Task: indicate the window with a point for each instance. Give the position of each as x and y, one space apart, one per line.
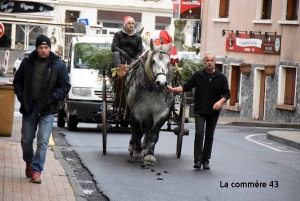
290 12
292 9
219 67
71 16
161 22
289 92
287 84
160 27
34 33
5 40
224 9
263 12
234 85
267 9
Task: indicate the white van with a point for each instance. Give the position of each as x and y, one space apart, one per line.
85 97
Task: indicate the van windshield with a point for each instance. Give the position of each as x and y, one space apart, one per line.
83 50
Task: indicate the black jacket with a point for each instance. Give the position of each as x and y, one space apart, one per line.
55 87
207 94
131 45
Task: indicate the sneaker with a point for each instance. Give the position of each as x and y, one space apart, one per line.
197 165
36 177
206 166
28 170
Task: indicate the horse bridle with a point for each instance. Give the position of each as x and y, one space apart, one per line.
161 52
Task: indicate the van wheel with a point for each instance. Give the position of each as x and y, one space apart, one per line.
72 122
61 118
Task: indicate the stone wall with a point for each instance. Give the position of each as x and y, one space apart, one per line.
271 114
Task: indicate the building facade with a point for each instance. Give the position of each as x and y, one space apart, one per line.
24 20
256 45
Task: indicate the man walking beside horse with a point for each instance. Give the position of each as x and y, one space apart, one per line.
211 92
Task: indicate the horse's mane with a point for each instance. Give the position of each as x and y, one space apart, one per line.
148 65
160 48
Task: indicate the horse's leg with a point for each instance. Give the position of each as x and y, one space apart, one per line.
135 147
152 135
145 144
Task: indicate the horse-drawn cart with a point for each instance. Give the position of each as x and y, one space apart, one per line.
131 102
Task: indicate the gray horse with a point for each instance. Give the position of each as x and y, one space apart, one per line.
148 102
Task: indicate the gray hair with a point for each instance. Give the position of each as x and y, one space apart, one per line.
209 53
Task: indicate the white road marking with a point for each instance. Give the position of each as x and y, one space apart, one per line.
249 138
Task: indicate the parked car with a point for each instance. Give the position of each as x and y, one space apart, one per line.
19 60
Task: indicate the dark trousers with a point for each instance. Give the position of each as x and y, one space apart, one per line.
201 153
119 59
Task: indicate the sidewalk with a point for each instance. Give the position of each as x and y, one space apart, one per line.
58 180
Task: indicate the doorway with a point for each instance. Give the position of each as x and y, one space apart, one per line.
259 94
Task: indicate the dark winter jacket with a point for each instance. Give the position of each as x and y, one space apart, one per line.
131 45
207 94
55 87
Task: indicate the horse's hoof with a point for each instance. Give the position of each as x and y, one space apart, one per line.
138 156
149 160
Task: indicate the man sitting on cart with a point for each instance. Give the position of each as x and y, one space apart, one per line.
127 44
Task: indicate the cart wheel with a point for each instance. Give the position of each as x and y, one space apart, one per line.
104 115
179 145
181 126
104 127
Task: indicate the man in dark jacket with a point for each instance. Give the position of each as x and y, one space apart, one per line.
211 92
40 82
127 44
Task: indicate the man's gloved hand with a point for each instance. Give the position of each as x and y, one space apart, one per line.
126 56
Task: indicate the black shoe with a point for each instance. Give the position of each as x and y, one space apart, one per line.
206 166
197 164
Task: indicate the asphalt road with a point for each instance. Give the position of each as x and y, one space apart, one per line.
244 166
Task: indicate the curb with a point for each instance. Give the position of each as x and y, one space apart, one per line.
265 124
283 141
80 196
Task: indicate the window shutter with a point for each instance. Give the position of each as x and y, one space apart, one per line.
233 86
289 10
222 11
289 93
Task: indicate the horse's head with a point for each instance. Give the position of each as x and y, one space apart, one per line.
158 64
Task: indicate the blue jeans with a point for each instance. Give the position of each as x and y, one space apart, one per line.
201 153
29 127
